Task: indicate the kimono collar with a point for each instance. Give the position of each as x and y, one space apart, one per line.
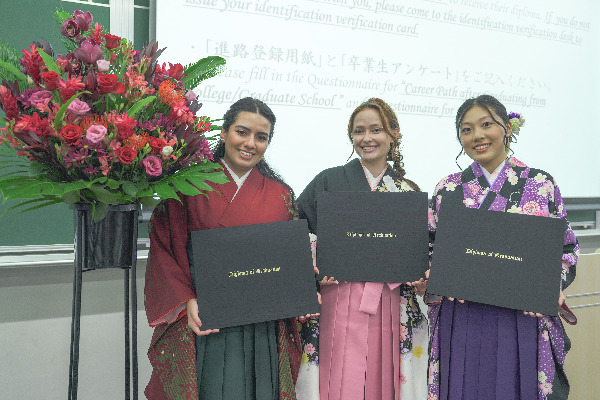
373 181
239 181
491 176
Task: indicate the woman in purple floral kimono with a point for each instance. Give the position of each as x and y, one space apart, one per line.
479 351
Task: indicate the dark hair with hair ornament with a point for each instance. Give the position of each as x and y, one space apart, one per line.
254 106
492 106
390 124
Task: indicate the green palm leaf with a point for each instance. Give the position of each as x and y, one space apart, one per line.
201 70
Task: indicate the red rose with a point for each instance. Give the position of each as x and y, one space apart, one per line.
51 79
71 134
156 144
112 41
107 83
126 154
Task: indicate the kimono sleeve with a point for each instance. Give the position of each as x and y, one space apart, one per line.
168 282
434 208
571 248
307 202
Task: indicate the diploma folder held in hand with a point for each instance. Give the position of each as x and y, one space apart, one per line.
498 258
372 236
252 273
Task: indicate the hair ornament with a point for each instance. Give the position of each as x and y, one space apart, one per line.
516 121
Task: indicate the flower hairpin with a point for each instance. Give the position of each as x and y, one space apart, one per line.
516 121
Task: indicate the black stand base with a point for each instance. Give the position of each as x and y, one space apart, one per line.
130 304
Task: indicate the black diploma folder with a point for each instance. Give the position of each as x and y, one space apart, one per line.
372 236
252 273
498 258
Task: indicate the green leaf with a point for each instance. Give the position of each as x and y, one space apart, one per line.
21 77
103 195
43 202
71 197
186 188
61 111
148 192
201 70
101 179
36 169
134 109
149 201
129 188
50 64
112 184
99 211
142 185
62 16
164 191
29 188
74 186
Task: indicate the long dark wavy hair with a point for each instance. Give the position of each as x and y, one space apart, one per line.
255 106
390 124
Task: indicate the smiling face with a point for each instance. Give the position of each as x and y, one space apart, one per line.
482 138
371 141
246 141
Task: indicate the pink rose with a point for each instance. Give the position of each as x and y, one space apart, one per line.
78 108
103 65
95 133
190 95
153 165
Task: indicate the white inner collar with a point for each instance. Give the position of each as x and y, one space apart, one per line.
491 176
373 181
239 181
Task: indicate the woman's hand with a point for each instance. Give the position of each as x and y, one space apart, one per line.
325 280
459 300
194 320
561 300
420 285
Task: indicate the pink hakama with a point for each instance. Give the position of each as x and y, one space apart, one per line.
360 341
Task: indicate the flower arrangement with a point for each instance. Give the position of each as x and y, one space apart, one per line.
104 124
516 121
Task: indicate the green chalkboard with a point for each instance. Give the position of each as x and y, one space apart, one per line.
25 21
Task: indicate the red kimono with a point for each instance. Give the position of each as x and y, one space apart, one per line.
169 286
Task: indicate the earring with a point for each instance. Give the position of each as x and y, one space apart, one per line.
456 159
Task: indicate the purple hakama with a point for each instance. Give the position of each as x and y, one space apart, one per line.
485 352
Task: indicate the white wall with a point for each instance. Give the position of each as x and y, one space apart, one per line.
35 332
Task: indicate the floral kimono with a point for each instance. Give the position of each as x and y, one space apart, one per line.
255 361
371 334
485 352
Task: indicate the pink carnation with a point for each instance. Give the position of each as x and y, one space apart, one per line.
153 165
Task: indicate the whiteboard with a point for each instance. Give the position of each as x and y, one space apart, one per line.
314 61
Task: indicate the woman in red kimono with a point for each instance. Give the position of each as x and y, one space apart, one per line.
255 361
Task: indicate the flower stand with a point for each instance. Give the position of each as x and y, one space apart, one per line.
110 243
